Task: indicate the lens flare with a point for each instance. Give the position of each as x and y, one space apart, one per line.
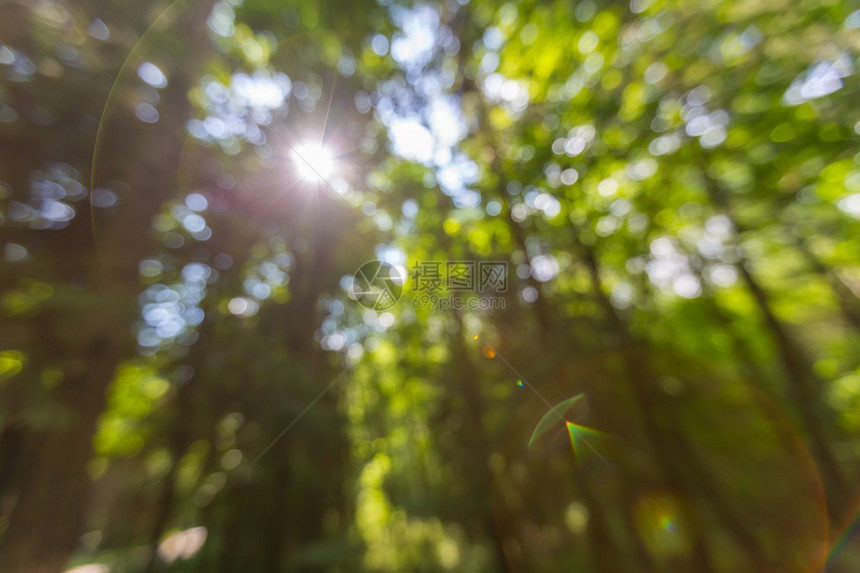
660 519
579 437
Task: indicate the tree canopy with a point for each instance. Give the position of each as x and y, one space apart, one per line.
453 285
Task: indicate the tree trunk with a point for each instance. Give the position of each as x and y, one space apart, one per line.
49 512
642 385
48 515
801 380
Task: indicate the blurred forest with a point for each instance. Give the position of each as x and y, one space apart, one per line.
188 383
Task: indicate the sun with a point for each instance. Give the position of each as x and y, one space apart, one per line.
314 162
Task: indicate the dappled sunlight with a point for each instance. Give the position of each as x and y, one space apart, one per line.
182 544
92 568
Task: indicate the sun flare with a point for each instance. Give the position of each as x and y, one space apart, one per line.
314 162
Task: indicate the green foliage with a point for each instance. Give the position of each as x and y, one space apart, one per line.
674 187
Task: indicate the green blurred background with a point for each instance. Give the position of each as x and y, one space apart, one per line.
188 383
